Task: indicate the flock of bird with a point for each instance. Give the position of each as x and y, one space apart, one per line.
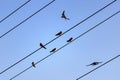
69 40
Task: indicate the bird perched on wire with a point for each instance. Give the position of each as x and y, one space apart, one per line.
53 50
42 46
59 33
33 64
70 39
94 63
63 16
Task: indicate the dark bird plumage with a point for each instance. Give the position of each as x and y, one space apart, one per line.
33 64
70 39
42 46
94 63
53 50
59 33
63 15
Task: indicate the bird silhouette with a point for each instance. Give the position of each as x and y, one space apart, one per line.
63 16
94 63
53 50
70 39
33 64
42 46
59 33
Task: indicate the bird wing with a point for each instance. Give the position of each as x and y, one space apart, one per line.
63 13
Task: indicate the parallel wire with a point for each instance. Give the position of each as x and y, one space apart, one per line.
91 16
98 67
57 37
83 20
14 11
25 20
66 44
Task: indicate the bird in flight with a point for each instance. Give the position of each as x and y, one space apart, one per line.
70 39
94 63
42 46
53 50
59 33
33 64
63 15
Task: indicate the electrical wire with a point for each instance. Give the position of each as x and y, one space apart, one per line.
56 37
14 11
98 67
91 16
66 44
25 19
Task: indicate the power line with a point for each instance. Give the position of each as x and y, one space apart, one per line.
25 19
67 44
90 16
15 11
98 67
57 37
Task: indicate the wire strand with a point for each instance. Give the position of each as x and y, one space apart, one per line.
66 44
57 37
25 19
14 11
98 67
90 16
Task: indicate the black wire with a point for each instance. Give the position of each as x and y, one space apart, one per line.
33 51
57 37
66 44
98 67
19 61
97 25
25 19
20 73
14 11
90 16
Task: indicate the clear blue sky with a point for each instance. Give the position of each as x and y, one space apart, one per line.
69 63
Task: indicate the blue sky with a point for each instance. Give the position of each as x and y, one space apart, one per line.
70 62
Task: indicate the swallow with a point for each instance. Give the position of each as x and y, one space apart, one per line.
53 50
33 64
70 40
94 63
59 33
42 46
63 15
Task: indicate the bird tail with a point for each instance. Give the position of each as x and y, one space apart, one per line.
68 41
100 62
67 18
88 65
44 47
56 35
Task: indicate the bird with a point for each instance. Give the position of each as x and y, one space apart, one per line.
53 50
42 46
33 64
94 63
70 39
63 16
59 33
